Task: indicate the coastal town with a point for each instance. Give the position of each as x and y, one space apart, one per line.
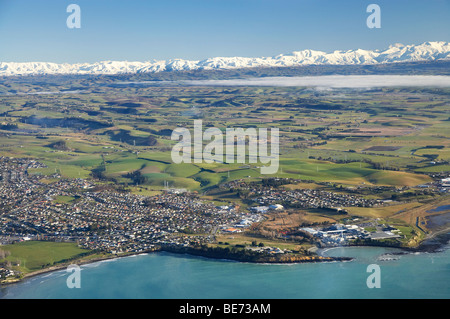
105 220
99 218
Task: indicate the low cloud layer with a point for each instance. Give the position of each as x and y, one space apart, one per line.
334 81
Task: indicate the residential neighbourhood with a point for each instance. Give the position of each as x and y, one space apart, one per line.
105 220
74 210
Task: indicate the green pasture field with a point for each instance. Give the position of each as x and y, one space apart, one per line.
373 137
35 255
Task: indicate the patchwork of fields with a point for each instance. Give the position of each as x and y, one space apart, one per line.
389 145
388 136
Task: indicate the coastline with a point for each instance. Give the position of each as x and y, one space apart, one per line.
61 267
180 251
436 242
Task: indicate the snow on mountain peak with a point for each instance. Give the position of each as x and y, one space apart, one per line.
428 51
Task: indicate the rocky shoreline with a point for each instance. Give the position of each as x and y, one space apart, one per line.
192 251
251 257
435 243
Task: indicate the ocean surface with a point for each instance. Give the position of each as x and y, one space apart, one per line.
170 276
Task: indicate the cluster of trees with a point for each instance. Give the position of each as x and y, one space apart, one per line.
3 262
124 136
4 254
72 122
255 244
275 182
9 126
375 165
383 166
389 242
99 172
136 177
59 145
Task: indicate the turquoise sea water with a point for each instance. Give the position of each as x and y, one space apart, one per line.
171 276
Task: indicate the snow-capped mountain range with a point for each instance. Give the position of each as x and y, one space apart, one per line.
428 51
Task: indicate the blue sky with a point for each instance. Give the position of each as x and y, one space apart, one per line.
138 30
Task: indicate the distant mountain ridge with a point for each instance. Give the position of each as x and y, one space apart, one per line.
428 51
